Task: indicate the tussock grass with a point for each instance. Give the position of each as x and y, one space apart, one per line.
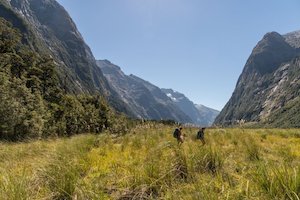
147 163
252 149
63 174
279 183
207 160
44 169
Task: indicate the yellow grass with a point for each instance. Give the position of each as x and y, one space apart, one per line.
147 163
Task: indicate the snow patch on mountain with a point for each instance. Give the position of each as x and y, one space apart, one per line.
171 97
201 115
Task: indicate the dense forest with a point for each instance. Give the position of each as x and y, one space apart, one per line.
34 103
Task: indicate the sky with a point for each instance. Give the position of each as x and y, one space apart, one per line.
195 47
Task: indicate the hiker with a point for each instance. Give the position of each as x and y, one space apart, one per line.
178 135
200 135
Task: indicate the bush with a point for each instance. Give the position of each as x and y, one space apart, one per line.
22 113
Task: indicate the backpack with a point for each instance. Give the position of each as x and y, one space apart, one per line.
200 135
176 133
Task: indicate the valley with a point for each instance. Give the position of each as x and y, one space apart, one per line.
73 126
147 163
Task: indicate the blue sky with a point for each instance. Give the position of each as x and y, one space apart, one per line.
196 47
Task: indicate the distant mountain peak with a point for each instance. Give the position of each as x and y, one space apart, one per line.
201 115
268 83
151 102
269 54
271 41
272 35
144 99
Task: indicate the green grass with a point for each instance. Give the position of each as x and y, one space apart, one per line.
147 163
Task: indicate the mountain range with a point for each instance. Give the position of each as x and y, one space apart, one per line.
200 114
48 29
148 101
268 90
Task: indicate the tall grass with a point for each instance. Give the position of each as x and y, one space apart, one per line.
252 149
279 183
66 169
207 160
51 175
147 163
14 186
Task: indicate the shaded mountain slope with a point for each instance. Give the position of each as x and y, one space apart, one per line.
144 99
269 84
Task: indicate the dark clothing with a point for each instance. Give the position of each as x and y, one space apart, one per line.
177 133
200 134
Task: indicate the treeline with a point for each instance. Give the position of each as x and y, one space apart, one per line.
32 102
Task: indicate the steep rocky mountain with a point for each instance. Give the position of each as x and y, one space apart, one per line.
268 89
144 99
293 39
48 29
201 115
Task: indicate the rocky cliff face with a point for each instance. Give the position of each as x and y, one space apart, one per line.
49 30
269 82
144 99
293 39
201 115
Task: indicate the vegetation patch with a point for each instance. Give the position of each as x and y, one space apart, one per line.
147 163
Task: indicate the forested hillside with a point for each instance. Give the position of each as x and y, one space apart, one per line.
32 102
47 29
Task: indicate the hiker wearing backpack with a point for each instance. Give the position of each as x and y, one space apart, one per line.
200 135
178 135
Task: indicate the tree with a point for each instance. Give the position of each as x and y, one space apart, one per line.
21 112
9 37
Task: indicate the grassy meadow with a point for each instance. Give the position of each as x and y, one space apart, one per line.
147 163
